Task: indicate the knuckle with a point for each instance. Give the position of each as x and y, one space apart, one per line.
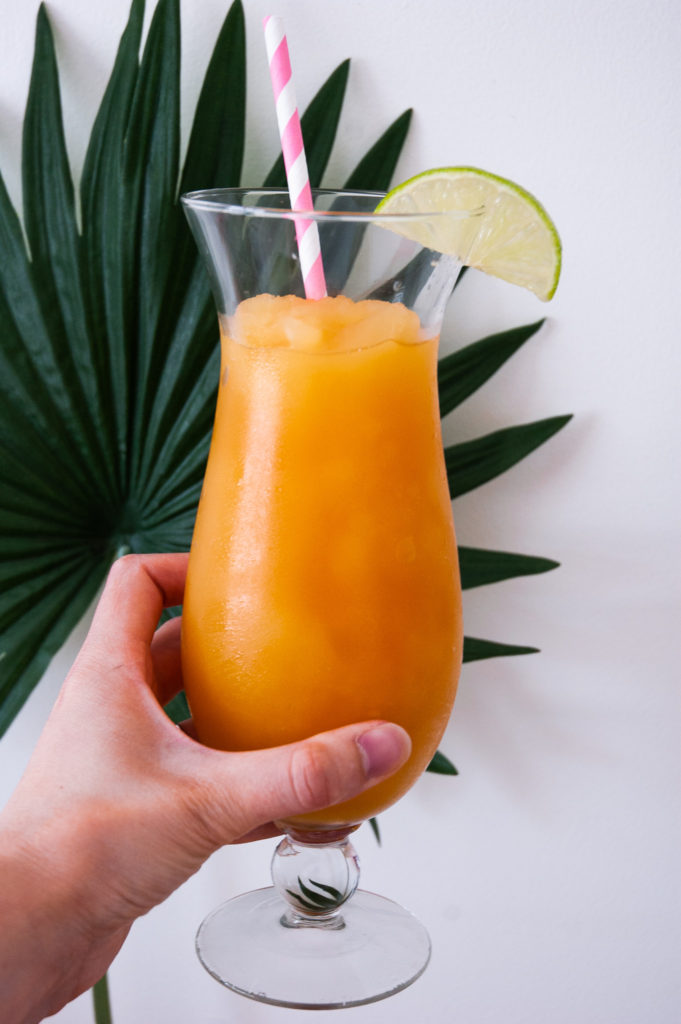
209 812
125 563
125 568
312 777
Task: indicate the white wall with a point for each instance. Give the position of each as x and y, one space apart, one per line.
548 872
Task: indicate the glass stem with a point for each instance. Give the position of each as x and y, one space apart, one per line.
314 878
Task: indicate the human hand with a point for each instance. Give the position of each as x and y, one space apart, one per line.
119 806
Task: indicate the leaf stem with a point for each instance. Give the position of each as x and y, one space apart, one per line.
100 1001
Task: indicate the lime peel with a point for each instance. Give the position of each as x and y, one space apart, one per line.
512 237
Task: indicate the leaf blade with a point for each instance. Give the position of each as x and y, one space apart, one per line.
480 566
441 765
475 649
109 235
217 140
473 463
32 427
375 170
151 164
463 372
57 265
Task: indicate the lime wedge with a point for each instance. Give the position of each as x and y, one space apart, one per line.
512 237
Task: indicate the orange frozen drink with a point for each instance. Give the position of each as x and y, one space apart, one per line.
323 586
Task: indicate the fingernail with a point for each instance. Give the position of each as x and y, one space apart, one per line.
384 748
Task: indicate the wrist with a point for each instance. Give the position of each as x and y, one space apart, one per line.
43 944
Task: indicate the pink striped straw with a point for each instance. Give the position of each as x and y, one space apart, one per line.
295 163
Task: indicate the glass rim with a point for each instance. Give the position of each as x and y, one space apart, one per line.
216 199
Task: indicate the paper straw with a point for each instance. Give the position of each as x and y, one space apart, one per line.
293 151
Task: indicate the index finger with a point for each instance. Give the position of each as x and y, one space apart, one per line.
137 590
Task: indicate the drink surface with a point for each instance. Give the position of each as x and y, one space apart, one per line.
323 584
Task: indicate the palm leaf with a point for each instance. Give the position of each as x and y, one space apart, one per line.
108 351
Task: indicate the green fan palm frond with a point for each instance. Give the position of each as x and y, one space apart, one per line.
109 341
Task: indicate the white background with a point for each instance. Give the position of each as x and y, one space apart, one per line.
548 871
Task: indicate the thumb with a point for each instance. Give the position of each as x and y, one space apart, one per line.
252 788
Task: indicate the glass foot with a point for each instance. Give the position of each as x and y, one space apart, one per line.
252 945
